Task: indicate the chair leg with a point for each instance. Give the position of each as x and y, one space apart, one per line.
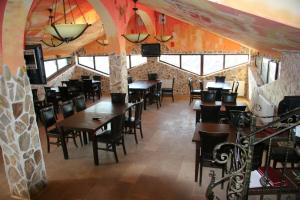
141 130
190 100
123 144
115 152
80 138
48 144
74 139
200 174
134 131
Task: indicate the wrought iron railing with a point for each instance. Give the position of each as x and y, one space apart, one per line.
238 156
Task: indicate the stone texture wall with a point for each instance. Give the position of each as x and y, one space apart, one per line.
118 73
19 136
166 71
288 83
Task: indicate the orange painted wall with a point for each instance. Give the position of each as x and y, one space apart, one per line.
2 8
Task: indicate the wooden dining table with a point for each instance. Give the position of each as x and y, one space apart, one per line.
90 121
198 103
214 128
141 87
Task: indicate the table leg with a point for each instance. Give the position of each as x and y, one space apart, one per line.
145 100
63 144
197 160
95 149
198 113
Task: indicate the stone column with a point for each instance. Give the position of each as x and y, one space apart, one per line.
19 136
118 73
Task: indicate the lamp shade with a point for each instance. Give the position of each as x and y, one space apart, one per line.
163 38
52 42
66 32
136 37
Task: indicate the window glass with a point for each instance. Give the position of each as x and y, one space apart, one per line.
264 69
191 63
127 62
86 61
272 71
234 60
212 63
171 59
62 63
102 64
50 67
137 60
279 70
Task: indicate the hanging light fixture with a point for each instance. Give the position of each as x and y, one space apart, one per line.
103 40
136 37
50 41
69 30
162 37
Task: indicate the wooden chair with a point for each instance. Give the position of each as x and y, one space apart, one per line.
90 90
208 141
118 98
229 97
168 91
80 103
208 96
113 137
220 79
67 108
210 113
152 76
135 122
217 91
158 94
83 77
194 93
97 78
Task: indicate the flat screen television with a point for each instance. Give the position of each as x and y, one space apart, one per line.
34 61
151 50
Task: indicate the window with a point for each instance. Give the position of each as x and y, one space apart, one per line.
137 60
171 59
62 63
191 63
50 67
272 71
234 60
264 69
212 63
128 62
102 64
86 61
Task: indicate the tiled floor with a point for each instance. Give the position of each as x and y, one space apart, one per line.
161 166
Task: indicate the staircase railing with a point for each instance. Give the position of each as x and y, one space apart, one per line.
238 156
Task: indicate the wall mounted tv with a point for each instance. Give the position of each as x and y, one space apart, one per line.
33 55
151 50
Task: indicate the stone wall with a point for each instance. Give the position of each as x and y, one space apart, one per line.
19 136
166 71
288 83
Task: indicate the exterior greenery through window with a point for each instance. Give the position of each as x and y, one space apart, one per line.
268 69
54 66
204 64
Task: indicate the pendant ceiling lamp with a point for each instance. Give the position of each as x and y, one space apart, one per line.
49 40
68 30
103 40
136 37
162 37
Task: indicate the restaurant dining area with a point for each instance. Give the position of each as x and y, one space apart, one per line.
139 99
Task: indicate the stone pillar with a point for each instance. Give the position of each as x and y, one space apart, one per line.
118 73
19 136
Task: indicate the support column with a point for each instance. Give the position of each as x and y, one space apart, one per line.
19 136
118 73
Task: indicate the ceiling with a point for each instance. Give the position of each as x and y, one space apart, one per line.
265 31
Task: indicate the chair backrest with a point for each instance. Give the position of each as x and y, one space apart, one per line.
208 141
129 79
208 96
117 124
210 113
34 94
232 87
217 91
118 98
220 79
97 78
190 81
236 87
173 82
138 110
229 97
67 108
80 103
233 113
64 93
85 77
158 87
48 116
87 85
152 76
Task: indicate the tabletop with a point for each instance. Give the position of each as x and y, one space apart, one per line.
224 86
198 103
109 108
142 84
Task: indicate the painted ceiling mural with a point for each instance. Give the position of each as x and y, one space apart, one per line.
253 31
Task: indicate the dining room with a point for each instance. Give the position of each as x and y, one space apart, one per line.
142 95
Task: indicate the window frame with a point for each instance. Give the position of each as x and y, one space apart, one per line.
58 70
202 62
277 73
130 62
94 63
